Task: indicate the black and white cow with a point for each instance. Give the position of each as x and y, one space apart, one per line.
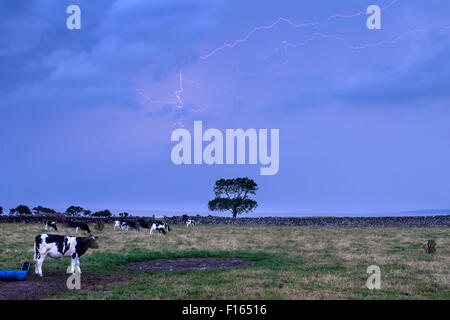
50 224
57 246
79 225
144 224
126 225
190 223
161 227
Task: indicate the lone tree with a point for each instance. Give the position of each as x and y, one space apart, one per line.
232 194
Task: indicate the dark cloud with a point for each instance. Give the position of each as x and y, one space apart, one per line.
87 114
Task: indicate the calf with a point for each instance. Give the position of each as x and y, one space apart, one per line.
79 225
161 227
50 224
165 225
117 224
190 223
130 224
57 246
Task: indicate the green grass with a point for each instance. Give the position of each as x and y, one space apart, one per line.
290 262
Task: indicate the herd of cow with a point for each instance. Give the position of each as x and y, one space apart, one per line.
58 246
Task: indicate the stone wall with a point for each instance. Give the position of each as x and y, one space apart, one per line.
411 221
423 221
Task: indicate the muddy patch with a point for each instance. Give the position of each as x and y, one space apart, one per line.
188 264
35 287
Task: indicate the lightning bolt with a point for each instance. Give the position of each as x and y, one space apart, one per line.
255 29
286 44
178 102
359 13
349 45
289 22
177 93
142 94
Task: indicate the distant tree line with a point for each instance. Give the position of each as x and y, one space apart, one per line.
72 211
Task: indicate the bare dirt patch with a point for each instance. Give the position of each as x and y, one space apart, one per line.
188 264
35 287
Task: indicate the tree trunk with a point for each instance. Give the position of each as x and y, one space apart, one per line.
234 213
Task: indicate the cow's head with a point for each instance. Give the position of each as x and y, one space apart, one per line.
91 242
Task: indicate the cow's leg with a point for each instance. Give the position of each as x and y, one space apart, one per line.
76 229
36 256
73 261
36 267
78 264
39 261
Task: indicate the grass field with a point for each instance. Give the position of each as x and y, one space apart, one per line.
290 262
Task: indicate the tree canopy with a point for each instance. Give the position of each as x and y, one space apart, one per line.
103 213
233 195
20 210
74 211
42 210
87 213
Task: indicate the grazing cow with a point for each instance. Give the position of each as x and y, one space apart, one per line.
50 224
126 225
190 223
166 226
79 225
144 224
161 227
57 246
117 224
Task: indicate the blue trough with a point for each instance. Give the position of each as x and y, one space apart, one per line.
16 274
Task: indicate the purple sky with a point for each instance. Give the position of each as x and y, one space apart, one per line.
364 116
